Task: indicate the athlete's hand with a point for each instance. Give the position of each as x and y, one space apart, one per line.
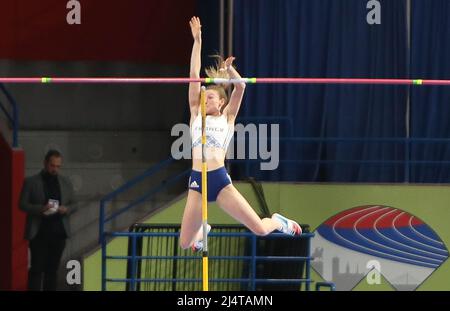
196 28
229 62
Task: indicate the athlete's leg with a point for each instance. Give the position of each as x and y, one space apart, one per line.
191 228
232 202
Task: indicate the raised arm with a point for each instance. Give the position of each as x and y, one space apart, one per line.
194 88
232 109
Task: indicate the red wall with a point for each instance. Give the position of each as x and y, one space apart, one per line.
14 249
135 30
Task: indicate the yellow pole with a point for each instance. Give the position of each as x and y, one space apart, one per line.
204 191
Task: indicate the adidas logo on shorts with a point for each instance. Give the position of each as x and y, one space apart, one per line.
194 184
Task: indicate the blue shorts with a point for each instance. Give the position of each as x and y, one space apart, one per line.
217 180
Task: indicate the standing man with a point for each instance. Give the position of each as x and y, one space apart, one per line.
48 200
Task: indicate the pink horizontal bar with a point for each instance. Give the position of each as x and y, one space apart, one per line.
436 82
100 80
352 81
250 81
334 81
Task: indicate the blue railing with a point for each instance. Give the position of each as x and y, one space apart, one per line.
14 118
103 219
252 258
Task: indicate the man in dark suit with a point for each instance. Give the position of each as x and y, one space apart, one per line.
48 200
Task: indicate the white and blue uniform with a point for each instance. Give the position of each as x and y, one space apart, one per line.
218 132
218 135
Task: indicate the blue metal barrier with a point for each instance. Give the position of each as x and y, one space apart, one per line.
103 219
253 259
128 185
